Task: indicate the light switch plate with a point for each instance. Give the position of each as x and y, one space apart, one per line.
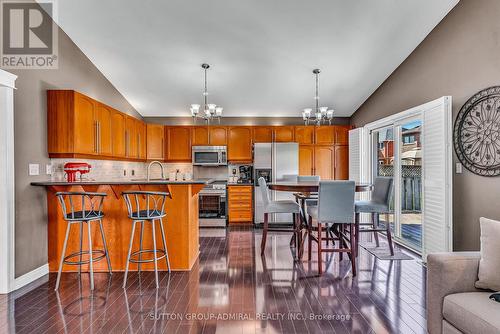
48 169
458 168
34 169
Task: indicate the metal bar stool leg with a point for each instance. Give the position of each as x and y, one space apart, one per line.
155 260
141 235
91 265
81 248
105 246
63 254
164 243
128 256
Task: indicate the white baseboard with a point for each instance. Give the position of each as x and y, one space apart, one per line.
33 275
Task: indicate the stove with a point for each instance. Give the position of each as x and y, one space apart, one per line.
213 205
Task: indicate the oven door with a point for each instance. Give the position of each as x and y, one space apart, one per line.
212 209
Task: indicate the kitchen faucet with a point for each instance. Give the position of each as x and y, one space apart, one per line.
161 166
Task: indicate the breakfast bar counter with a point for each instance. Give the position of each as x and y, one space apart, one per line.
181 222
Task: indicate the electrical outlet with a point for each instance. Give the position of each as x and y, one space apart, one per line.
48 169
124 172
34 169
458 168
133 172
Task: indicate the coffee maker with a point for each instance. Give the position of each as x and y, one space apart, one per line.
246 173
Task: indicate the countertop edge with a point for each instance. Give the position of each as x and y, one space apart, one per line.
96 183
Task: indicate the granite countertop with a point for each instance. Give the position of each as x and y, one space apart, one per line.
120 182
240 184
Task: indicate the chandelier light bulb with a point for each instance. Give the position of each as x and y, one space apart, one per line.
218 111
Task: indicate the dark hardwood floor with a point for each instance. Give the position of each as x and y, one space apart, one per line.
231 289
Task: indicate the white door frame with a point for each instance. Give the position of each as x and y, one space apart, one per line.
7 195
395 121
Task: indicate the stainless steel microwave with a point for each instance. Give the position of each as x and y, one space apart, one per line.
209 156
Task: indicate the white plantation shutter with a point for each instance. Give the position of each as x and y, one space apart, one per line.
358 158
437 177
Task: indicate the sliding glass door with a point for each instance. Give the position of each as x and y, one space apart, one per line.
397 153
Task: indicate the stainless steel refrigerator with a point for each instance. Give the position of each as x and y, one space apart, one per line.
276 162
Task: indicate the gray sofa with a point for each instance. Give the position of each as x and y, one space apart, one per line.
454 305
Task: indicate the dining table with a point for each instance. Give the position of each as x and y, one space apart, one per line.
307 190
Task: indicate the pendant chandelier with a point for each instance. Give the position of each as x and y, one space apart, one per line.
317 115
210 111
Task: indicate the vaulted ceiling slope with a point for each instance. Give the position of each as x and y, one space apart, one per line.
262 52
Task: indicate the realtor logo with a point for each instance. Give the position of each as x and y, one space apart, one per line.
29 35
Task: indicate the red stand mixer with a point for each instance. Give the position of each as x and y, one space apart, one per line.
71 168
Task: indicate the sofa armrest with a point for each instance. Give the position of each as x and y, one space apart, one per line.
448 273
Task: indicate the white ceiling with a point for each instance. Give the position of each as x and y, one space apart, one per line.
262 52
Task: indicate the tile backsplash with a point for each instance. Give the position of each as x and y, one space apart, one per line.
118 170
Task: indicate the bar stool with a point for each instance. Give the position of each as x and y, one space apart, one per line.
146 206
284 206
84 207
379 204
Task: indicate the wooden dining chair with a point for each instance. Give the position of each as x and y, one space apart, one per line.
335 210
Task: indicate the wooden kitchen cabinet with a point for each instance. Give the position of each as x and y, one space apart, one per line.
199 135
85 126
306 160
217 135
324 135
262 134
104 131
341 160
155 143
141 140
118 133
239 147
178 143
324 161
283 134
304 134
240 206
131 138
342 135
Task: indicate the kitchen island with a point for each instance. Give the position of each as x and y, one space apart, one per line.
181 223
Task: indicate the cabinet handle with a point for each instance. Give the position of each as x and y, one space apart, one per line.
99 148
95 138
126 143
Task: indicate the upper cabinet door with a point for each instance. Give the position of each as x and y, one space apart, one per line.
141 139
262 134
131 143
325 135
304 134
284 134
178 140
85 125
324 162
155 141
199 135
342 135
118 133
341 162
306 160
239 148
218 135
104 131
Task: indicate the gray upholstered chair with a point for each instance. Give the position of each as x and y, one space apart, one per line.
335 209
284 206
379 204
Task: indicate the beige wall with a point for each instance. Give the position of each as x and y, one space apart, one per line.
459 57
30 108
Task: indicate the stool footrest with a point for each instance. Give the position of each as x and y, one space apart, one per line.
136 253
94 259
